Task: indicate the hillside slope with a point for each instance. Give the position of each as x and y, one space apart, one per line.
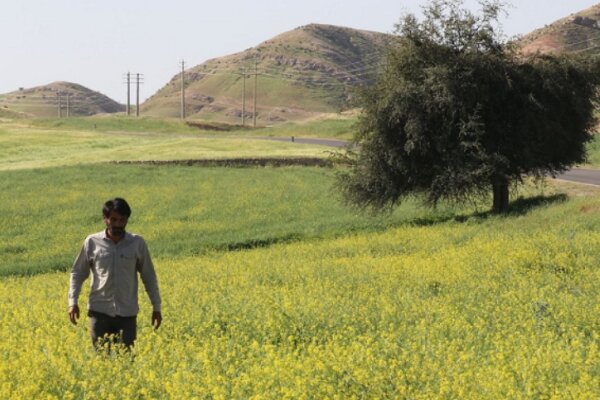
579 32
43 101
306 71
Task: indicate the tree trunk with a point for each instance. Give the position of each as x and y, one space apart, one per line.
500 188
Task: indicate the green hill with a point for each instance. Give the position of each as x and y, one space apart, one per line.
579 32
301 73
44 101
10 114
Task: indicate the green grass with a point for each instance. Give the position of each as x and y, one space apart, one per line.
29 107
26 147
272 287
116 123
334 126
53 182
593 149
10 114
337 128
278 92
46 213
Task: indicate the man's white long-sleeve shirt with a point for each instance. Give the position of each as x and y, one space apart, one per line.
114 268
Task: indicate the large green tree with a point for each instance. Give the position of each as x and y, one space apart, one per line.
457 113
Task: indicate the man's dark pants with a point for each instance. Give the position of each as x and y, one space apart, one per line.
123 329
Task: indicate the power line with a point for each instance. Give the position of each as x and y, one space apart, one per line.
367 64
301 76
65 103
586 49
339 73
53 100
594 37
310 78
319 81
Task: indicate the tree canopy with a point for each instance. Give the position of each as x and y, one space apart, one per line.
457 112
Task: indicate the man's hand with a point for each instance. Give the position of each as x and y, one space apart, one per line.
74 314
156 319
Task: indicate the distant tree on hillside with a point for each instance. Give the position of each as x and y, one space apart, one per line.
456 113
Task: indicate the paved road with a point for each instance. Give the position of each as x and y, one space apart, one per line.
581 175
318 141
323 142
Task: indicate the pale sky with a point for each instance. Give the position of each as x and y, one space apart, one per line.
95 42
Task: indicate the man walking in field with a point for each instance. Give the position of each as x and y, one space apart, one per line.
114 257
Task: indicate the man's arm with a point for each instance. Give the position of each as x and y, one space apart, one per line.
148 274
79 273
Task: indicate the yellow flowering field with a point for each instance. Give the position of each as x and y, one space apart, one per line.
479 308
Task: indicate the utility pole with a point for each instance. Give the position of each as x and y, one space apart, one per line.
128 110
244 99
182 89
244 74
255 85
138 80
68 105
59 104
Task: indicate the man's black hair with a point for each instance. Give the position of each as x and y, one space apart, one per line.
117 204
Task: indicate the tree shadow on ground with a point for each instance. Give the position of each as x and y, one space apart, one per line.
518 207
521 206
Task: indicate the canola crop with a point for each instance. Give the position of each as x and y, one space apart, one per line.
454 310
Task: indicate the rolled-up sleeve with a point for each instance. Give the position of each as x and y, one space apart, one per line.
148 275
79 273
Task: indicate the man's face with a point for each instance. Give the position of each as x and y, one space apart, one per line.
115 223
